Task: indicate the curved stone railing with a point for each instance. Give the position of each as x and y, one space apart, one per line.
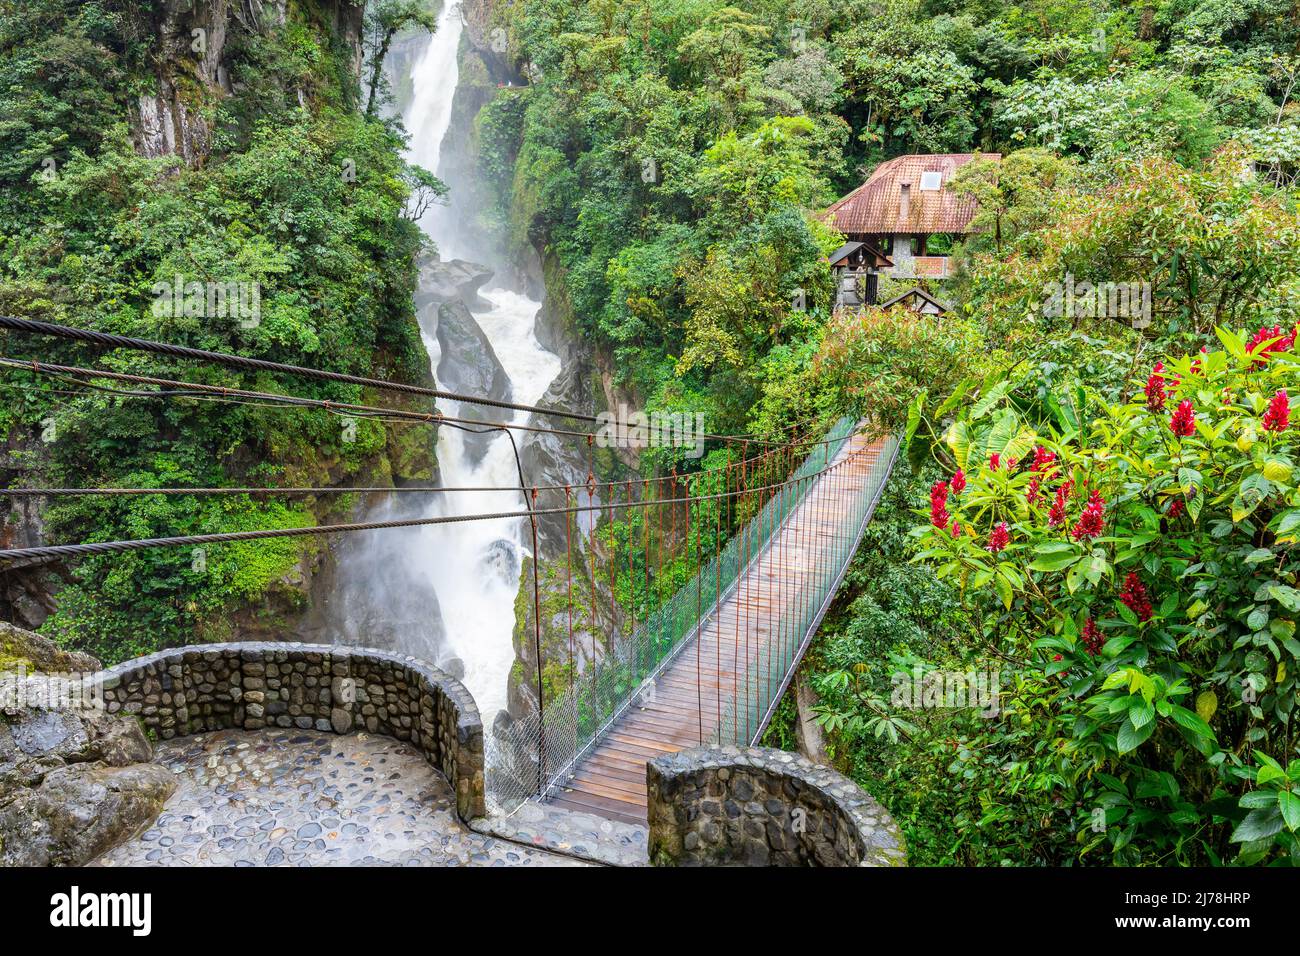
758 807
250 686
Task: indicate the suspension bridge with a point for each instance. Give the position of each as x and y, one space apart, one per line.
676 616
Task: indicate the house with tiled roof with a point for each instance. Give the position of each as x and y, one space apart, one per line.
907 217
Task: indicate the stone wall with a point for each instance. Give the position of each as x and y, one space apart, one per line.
751 806
251 686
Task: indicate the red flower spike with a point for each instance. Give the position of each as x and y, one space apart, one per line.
1043 459
1056 515
1134 595
1032 493
1000 537
938 504
1176 508
1283 343
1278 415
1155 390
994 461
1092 639
1090 523
958 482
1183 422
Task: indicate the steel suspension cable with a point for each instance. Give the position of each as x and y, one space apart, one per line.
112 340
109 340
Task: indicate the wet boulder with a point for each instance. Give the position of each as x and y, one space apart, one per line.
75 781
79 811
456 280
552 460
468 364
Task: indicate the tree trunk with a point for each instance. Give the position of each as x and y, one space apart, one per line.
376 71
808 733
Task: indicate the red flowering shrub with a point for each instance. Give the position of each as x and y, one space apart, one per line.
1173 600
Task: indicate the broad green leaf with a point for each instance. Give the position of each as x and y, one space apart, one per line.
988 400
1206 704
1288 597
1258 825
1185 718
1055 562
1289 804
1130 738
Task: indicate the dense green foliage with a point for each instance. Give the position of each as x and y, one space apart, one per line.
671 158
668 155
300 203
1142 556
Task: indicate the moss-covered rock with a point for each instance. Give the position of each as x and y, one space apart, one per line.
74 781
31 652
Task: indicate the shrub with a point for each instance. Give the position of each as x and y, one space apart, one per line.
1147 578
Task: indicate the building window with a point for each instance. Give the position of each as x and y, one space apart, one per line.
931 181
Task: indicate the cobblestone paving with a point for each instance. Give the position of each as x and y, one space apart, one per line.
285 798
579 834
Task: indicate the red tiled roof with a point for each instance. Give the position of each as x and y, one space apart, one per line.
874 207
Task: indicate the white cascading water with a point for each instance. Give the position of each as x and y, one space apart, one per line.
473 567
433 84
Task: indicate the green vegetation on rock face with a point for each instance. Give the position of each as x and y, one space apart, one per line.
668 155
298 202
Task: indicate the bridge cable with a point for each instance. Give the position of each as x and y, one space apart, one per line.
111 340
107 547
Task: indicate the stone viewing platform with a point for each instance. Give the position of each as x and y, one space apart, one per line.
310 798
281 754
321 687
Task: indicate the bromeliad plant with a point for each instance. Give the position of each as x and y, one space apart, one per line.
1147 567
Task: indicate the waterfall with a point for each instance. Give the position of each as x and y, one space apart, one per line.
427 119
473 568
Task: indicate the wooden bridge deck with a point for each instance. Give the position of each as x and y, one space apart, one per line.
735 645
